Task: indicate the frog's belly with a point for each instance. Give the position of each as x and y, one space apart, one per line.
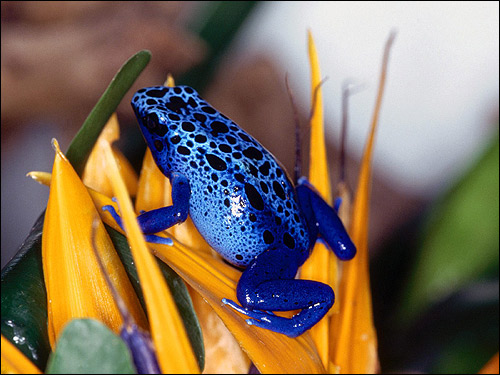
238 232
230 231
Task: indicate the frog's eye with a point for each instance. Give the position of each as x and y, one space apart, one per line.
150 121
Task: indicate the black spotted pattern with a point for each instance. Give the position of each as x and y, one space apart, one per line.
242 201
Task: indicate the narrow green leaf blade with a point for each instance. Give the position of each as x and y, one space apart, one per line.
87 346
86 137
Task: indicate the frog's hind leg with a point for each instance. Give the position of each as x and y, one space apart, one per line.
157 220
268 284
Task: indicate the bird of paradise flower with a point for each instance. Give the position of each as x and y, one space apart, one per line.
343 342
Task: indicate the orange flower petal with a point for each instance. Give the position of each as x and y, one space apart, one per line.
174 351
270 352
491 367
322 264
15 362
74 282
96 165
355 345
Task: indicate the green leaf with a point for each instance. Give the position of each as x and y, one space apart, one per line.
461 238
177 288
82 144
24 299
87 346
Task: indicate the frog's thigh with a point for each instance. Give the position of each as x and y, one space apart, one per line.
155 221
269 283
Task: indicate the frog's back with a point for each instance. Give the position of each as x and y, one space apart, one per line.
242 201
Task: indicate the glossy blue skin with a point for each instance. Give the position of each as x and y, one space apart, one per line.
243 203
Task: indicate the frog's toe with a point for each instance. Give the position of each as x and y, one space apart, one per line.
159 240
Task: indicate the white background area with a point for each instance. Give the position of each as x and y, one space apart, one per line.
441 100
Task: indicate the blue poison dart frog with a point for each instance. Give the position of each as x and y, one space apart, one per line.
244 205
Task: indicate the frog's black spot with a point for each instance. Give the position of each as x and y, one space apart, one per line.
237 155
216 162
151 102
253 170
193 164
252 217
188 126
264 168
225 148
141 91
224 183
279 172
226 202
288 241
231 139
209 188
135 99
157 93
226 192
158 145
288 204
239 177
296 218
199 117
177 90
209 110
268 237
287 213
206 168
253 153
175 139
176 104
277 220
160 130
189 144
173 117
213 145
244 137
254 197
239 257
189 90
242 228
173 127
192 103
232 127
150 121
218 127
215 178
200 138
280 208
278 190
264 187
201 150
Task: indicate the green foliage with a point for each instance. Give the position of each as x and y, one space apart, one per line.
87 346
461 238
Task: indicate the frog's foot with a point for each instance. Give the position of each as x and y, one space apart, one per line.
149 237
292 327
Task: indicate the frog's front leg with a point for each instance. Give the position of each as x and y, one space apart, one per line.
323 219
157 220
269 284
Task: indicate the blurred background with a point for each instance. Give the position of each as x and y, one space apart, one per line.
434 209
